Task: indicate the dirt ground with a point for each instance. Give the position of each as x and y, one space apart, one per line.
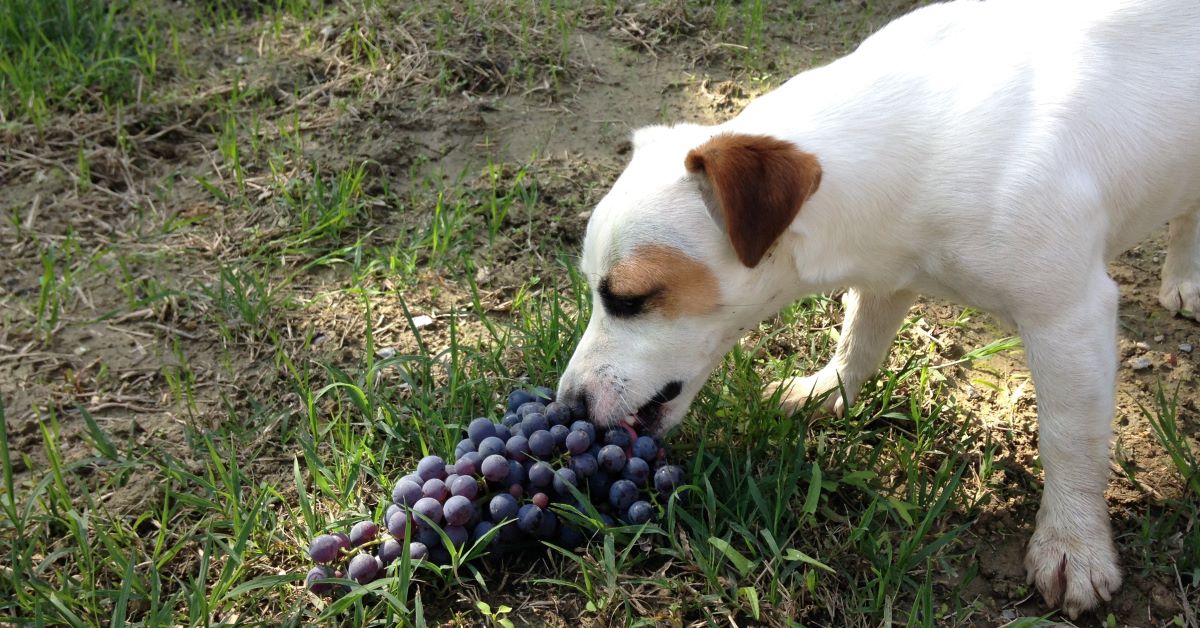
142 196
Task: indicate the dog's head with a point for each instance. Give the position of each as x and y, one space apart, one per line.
679 259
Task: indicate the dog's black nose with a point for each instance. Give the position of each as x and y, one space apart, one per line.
577 400
667 393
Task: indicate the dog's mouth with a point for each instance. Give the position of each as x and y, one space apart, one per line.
650 414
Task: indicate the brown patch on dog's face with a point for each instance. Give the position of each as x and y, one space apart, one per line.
659 278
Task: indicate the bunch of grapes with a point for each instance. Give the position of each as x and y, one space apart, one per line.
498 492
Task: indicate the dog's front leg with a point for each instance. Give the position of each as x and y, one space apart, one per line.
867 332
1072 352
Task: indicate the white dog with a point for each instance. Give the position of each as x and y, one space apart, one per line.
997 154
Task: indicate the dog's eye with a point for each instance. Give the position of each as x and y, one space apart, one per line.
622 306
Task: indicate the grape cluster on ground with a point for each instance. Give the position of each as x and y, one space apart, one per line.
542 473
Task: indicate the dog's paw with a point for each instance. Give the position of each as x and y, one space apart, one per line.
795 393
1180 296
1074 567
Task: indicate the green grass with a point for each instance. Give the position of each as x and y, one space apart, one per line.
267 382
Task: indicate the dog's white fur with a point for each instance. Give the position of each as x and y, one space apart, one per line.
996 154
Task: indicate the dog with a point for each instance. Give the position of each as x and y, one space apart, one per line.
996 154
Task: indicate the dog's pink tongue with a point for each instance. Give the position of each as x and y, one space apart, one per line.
633 436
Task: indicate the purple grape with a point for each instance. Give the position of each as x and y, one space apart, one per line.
517 448
516 490
529 518
417 551
428 537
458 511
465 445
645 448
621 494
469 464
342 538
406 492
584 465
490 447
534 421
548 526
315 574
667 479
430 508
458 535
502 432
363 532
362 568
557 413
439 554
431 467
598 484
480 530
611 458
584 426
577 442
617 436
533 407
324 548
495 467
464 486
543 393
436 489
559 432
391 510
480 429
568 536
397 524
541 444
563 479
502 506
639 512
541 474
518 398
389 551
450 480
516 474
511 420
637 471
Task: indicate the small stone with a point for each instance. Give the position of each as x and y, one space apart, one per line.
1159 338
241 60
422 321
385 353
328 32
1140 363
1141 346
1185 347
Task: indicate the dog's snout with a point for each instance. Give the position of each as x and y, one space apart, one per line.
575 398
668 392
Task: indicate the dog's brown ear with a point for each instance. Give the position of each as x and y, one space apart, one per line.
759 182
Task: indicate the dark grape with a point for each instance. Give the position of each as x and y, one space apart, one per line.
541 500
464 486
529 518
516 490
617 436
311 580
598 484
559 432
621 494
417 551
548 525
639 512
577 441
557 413
324 548
541 444
463 447
518 398
428 537
637 471
541 392
533 407
391 510
480 429
541 474
534 421
490 447
585 427
645 448
517 447
481 529
503 433
667 479
584 465
469 464
362 568
495 467
458 511
397 523
503 506
436 489
511 420
342 538
431 467
563 479
449 481
406 492
458 535
389 551
429 507
611 458
516 474
439 554
568 536
363 532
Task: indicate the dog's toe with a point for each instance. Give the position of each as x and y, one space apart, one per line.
1181 297
797 393
1074 572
